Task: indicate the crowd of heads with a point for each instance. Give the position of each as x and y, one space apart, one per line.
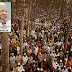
43 48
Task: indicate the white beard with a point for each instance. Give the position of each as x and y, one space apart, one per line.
3 20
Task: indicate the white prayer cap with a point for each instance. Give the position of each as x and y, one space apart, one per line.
32 44
41 69
45 43
41 39
44 59
66 59
38 69
11 41
60 60
71 49
67 51
15 42
60 49
12 53
65 66
17 52
57 50
39 52
50 54
33 61
51 29
2 4
50 40
53 51
35 53
24 53
68 43
18 63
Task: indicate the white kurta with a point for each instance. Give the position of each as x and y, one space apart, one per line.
25 59
20 68
12 61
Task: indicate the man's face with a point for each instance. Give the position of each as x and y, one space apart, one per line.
3 12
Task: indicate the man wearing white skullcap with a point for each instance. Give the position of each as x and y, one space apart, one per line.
20 67
12 60
18 57
25 59
5 25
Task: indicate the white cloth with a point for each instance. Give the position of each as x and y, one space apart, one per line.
25 44
12 61
20 68
18 48
55 64
36 50
48 49
25 59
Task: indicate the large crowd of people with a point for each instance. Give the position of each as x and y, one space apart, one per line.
43 48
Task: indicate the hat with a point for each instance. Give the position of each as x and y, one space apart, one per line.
41 69
66 59
50 54
38 69
60 49
50 40
32 44
24 53
67 51
18 63
71 49
11 41
68 43
45 43
33 61
44 59
57 50
15 42
41 39
35 53
65 66
39 52
60 60
12 53
17 52
53 51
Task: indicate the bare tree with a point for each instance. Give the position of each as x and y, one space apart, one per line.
21 36
5 51
29 18
67 36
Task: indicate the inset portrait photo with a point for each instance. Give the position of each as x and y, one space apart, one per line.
5 16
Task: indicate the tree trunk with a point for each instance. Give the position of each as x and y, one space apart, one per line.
21 36
5 51
29 18
67 35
